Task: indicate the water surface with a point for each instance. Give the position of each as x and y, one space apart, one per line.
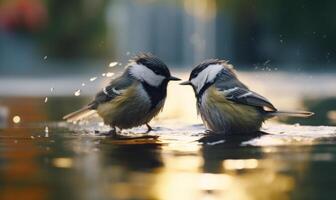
42 157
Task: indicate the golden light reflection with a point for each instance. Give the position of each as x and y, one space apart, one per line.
184 176
180 106
209 181
183 147
183 163
62 162
261 185
240 164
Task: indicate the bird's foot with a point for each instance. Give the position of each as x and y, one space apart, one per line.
111 133
149 128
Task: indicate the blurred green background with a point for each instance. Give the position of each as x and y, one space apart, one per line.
49 36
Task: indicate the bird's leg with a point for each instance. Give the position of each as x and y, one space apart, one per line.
149 128
113 131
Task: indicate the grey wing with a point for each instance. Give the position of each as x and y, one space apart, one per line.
236 91
114 89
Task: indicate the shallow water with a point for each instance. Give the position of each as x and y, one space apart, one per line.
72 162
67 161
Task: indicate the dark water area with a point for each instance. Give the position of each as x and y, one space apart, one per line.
56 160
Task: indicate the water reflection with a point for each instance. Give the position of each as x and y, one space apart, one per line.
108 168
174 166
179 164
127 156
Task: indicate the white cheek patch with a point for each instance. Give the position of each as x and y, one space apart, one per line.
205 76
143 73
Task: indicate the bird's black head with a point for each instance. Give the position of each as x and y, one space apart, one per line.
202 66
150 69
205 73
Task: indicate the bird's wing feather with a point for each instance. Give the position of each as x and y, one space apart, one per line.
116 88
236 91
247 97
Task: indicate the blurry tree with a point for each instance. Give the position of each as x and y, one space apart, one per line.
75 28
22 16
307 25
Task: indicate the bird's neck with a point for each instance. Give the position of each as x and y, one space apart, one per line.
203 89
156 94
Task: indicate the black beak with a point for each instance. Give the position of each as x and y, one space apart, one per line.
186 83
172 78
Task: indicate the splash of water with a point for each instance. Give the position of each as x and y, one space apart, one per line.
109 74
93 79
77 93
113 64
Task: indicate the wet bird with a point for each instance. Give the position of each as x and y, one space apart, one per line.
134 98
228 106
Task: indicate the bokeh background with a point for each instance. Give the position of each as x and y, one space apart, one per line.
283 49
39 36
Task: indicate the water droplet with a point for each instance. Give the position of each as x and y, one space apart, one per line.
16 119
93 79
83 84
103 74
46 100
112 64
45 57
109 74
77 93
51 89
46 131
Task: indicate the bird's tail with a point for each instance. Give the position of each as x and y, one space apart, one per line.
79 114
302 114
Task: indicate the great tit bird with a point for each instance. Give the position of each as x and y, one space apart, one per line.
134 98
225 104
